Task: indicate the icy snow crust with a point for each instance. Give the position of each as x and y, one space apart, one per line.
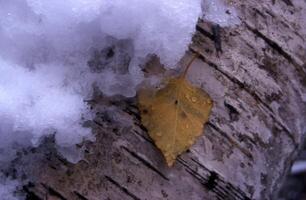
53 52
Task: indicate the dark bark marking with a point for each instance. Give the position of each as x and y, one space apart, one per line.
232 111
227 187
53 192
142 136
213 182
216 30
233 142
123 189
30 195
275 46
145 162
288 2
81 197
204 32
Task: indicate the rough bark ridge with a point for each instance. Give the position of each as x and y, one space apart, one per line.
258 85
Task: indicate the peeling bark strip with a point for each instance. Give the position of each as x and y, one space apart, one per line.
249 143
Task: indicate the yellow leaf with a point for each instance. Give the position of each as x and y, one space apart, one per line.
174 115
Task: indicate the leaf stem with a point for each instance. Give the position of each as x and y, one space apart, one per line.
189 64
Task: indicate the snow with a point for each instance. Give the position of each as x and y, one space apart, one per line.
53 52
7 189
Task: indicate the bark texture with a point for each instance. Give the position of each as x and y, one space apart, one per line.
258 85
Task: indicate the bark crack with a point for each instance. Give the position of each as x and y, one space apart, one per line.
123 189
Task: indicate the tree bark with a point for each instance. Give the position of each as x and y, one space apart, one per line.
258 85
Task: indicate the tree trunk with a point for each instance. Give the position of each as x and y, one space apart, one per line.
258 85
